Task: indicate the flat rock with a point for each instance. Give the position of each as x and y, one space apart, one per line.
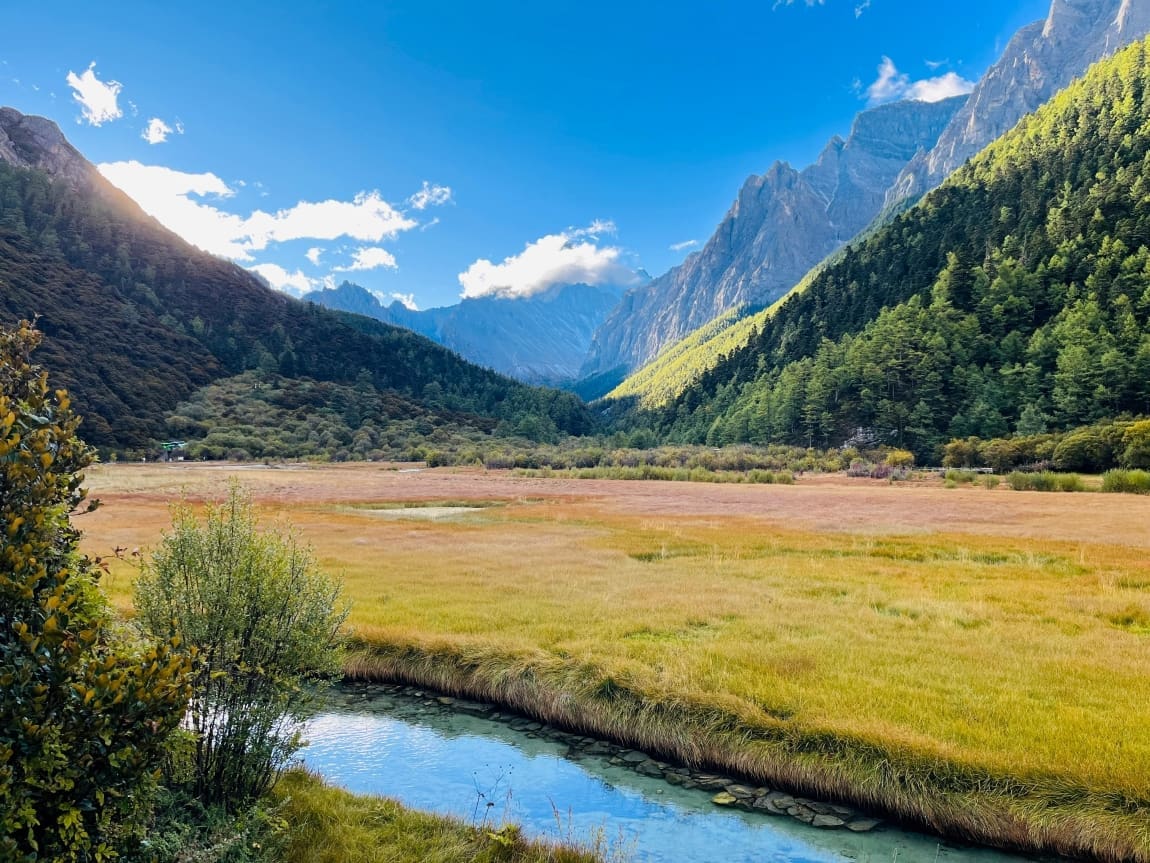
724 799
743 792
649 768
863 825
633 756
827 821
711 783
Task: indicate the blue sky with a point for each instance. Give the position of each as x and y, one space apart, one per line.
428 149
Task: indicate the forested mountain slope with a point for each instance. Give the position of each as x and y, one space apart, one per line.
136 319
1041 59
1016 295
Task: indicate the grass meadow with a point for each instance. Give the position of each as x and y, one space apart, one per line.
973 660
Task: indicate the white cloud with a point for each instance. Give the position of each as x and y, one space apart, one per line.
369 258
892 85
431 195
313 254
157 131
568 257
98 100
165 194
683 246
779 3
280 279
407 300
861 7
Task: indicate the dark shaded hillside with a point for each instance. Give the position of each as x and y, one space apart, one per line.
136 319
1014 296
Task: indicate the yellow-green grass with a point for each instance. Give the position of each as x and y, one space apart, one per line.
994 687
328 825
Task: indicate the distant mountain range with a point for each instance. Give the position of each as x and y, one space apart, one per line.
136 320
542 338
784 223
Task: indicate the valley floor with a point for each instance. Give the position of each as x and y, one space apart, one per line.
971 660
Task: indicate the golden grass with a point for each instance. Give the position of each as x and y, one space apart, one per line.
995 687
328 825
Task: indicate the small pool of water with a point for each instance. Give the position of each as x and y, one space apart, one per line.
483 771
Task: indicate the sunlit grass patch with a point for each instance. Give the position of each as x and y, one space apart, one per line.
997 686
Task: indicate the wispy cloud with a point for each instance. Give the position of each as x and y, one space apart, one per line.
407 300
779 3
686 244
568 257
157 131
313 255
892 85
98 100
861 7
431 195
369 258
290 283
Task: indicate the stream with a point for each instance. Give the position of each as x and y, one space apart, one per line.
468 760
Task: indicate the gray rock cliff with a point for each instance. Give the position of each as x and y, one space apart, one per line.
38 143
782 224
1040 60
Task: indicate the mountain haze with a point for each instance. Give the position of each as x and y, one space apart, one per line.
781 224
541 338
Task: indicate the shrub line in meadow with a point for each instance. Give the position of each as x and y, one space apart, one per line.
1034 814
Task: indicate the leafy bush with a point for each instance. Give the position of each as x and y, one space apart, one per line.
265 623
1126 481
1087 450
85 714
1070 482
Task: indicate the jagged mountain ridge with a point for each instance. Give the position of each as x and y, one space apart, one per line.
781 224
1041 59
1041 55
542 338
136 319
946 324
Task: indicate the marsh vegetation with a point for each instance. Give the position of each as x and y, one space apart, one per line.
969 660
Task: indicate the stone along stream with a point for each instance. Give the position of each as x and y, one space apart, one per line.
472 761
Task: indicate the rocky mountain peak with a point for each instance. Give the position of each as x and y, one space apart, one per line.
35 142
1040 60
781 224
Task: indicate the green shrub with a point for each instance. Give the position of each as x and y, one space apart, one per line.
1070 482
1126 481
85 714
1044 481
1087 449
1136 439
264 621
958 477
1018 481
990 481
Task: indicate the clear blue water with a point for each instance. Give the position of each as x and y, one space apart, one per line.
485 772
